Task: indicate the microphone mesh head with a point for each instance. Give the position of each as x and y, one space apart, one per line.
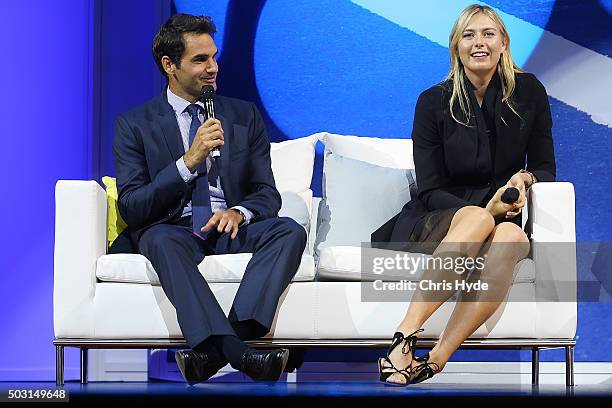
510 195
207 92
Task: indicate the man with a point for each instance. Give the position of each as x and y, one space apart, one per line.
182 204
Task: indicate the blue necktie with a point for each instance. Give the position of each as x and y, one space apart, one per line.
200 196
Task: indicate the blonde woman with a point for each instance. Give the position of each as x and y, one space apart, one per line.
485 128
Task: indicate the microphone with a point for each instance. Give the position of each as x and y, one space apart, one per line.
207 95
510 195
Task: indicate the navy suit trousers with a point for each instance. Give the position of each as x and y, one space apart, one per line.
174 251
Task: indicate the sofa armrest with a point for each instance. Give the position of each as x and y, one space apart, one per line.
552 221
552 212
80 239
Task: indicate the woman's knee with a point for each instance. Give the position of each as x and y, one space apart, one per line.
509 232
511 239
475 215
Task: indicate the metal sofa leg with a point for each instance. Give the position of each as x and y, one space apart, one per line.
59 366
535 366
83 365
569 366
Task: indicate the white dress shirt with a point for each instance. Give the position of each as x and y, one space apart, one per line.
217 197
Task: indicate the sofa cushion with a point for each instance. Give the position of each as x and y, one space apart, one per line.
396 153
297 206
293 163
115 223
343 263
135 268
358 197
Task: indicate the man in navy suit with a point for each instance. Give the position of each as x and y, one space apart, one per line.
182 204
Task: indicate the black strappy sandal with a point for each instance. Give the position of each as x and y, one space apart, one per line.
386 367
424 370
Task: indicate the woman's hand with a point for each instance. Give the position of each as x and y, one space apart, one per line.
498 208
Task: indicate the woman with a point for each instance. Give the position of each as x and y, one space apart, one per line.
472 135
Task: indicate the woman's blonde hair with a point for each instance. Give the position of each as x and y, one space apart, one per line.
506 67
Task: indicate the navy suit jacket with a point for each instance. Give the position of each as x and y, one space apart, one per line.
148 143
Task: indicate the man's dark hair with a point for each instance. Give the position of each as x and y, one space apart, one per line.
169 40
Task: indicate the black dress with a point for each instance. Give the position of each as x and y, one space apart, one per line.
459 165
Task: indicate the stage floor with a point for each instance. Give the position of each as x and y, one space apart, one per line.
309 392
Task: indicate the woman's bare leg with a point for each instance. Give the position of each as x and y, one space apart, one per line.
498 270
469 225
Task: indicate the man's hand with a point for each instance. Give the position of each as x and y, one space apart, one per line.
225 221
208 136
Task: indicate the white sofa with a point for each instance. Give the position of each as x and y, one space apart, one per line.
115 301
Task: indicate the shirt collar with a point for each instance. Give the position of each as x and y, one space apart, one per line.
179 104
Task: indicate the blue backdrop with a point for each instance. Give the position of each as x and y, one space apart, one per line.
45 135
72 66
311 65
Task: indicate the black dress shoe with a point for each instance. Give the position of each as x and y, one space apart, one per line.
264 365
197 366
295 360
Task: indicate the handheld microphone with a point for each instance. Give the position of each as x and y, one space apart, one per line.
510 195
207 95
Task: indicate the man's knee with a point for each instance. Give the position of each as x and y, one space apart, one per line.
293 229
160 237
